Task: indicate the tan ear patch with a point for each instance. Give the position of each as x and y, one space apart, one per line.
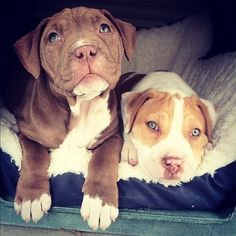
209 113
132 101
153 120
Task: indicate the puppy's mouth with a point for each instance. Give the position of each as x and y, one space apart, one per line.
90 86
172 176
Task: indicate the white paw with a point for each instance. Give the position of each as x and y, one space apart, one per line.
97 214
129 154
34 209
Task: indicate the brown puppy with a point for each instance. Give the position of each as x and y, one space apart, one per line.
75 57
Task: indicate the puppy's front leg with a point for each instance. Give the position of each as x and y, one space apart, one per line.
129 152
100 202
33 198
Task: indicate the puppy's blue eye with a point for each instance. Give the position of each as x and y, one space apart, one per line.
104 28
153 125
53 37
196 132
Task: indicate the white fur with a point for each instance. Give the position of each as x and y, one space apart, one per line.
128 152
34 209
91 123
92 89
97 214
73 154
165 82
69 159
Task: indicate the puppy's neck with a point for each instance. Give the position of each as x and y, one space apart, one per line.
82 109
76 103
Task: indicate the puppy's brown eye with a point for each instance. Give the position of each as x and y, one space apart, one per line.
53 37
196 132
104 28
153 125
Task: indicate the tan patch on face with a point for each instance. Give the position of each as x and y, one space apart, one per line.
194 119
158 110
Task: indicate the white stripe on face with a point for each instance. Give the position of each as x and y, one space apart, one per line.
174 145
81 43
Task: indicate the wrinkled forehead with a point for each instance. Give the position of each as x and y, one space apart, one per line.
175 106
80 16
156 106
87 15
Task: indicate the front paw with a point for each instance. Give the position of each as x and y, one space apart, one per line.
32 209
98 213
129 154
32 202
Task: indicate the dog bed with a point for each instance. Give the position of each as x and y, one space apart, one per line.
181 48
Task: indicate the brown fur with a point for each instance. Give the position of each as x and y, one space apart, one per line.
32 180
44 116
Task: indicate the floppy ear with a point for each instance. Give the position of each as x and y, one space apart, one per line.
127 32
209 112
130 104
27 49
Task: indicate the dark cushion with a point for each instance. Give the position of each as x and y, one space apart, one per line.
202 193
223 21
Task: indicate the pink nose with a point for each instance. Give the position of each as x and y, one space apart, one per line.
85 54
172 164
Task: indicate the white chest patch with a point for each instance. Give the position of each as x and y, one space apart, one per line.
91 118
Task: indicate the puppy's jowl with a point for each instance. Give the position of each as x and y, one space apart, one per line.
75 59
166 128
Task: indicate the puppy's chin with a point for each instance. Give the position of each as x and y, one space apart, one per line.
90 86
177 180
160 175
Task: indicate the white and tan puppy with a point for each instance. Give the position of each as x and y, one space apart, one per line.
166 128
